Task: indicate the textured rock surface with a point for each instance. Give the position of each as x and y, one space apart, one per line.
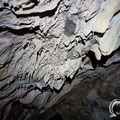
88 100
45 44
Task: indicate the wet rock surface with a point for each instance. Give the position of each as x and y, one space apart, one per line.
49 47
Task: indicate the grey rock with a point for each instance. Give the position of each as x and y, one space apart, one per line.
46 44
110 42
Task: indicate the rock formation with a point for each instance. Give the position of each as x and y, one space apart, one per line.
44 44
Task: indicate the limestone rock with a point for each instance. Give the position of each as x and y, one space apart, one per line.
45 44
101 21
38 9
111 39
107 11
95 49
70 67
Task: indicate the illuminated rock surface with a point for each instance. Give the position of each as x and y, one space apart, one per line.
47 47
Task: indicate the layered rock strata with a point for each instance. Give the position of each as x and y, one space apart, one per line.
45 43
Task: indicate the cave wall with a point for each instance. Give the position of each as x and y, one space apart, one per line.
44 44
